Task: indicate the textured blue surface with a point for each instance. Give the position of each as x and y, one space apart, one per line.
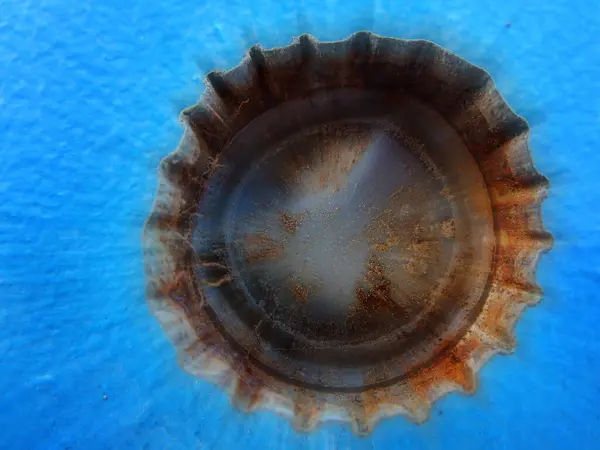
89 96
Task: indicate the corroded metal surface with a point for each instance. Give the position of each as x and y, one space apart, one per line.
347 230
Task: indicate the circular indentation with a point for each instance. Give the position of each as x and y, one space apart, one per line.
334 232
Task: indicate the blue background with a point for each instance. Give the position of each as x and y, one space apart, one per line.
89 96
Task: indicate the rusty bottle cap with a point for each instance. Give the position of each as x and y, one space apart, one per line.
347 231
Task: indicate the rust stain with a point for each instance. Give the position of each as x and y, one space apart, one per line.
374 298
248 391
453 368
496 315
448 228
515 191
327 165
177 289
371 403
422 254
290 222
260 247
392 240
299 290
379 247
306 412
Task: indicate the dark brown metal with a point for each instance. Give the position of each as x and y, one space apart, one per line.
347 231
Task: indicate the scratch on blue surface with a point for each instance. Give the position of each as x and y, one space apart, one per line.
89 95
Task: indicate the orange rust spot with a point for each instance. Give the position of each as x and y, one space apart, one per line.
381 247
290 222
377 298
451 368
448 228
299 291
422 254
171 288
495 316
523 240
512 192
248 394
371 403
260 247
306 414
393 240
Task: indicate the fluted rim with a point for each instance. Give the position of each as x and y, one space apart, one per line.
516 191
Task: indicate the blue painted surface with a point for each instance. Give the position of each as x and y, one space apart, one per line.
89 95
